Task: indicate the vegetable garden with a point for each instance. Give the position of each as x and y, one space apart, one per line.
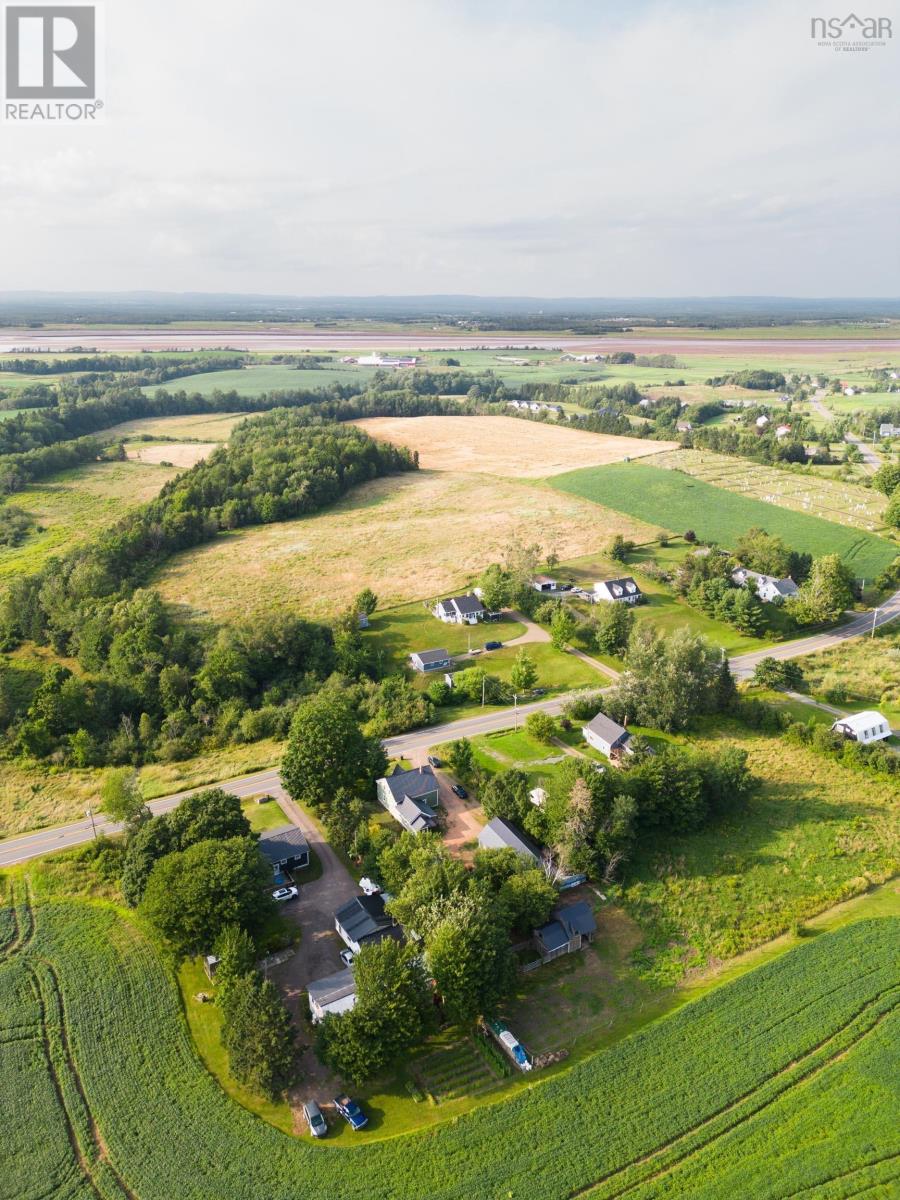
106 1097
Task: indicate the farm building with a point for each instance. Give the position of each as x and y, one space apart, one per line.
624 590
285 848
363 920
570 928
607 736
460 610
543 583
769 589
430 660
411 797
501 835
333 994
864 727
887 430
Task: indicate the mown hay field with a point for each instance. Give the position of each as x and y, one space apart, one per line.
254 380
677 502
408 537
200 427
843 503
107 1097
177 454
507 446
74 505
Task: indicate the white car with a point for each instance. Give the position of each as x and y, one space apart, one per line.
285 893
347 957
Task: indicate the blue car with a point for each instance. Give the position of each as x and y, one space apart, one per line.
351 1112
493 645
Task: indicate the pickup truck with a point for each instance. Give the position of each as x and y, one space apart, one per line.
351 1112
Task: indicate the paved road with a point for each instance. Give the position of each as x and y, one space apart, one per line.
32 845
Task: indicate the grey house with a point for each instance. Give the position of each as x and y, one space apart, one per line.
501 835
363 920
569 929
285 848
411 797
607 736
430 660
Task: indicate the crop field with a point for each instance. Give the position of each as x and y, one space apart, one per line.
253 381
506 446
73 505
409 537
200 427
815 834
106 1096
831 499
673 500
182 455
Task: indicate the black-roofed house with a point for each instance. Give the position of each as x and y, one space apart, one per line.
460 610
363 920
570 928
411 797
430 660
285 848
620 591
607 736
333 994
499 834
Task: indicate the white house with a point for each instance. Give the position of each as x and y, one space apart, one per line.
849 391
888 431
781 431
430 660
363 920
543 583
411 797
624 590
460 610
768 588
333 994
864 727
607 736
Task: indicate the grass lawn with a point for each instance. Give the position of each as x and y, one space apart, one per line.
397 632
253 381
264 816
857 674
815 834
72 506
678 502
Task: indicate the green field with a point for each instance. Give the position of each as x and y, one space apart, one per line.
253 381
106 1097
678 502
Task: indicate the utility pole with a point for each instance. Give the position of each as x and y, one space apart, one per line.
516 710
89 811
874 615
483 682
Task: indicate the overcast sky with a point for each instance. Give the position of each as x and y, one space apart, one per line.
548 148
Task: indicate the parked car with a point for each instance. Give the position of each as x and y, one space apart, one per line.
493 645
458 790
351 1112
539 691
347 957
315 1119
285 893
434 761
368 886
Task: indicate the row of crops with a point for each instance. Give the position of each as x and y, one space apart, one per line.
778 1040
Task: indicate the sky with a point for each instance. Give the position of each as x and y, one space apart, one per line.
572 148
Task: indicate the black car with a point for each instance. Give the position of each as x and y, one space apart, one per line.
458 790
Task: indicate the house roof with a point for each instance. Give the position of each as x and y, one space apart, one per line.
466 604
621 587
552 936
543 579
579 917
416 814
431 656
283 843
363 917
785 587
332 988
608 730
410 785
862 720
499 834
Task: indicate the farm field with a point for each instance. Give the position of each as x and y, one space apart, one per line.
858 674
199 427
678 502
831 499
816 1025
253 381
816 833
505 446
73 505
181 455
409 537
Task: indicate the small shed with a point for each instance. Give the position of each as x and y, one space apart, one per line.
607 736
863 727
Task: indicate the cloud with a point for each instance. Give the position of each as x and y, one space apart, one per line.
441 145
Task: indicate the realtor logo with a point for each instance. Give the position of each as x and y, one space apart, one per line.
52 56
